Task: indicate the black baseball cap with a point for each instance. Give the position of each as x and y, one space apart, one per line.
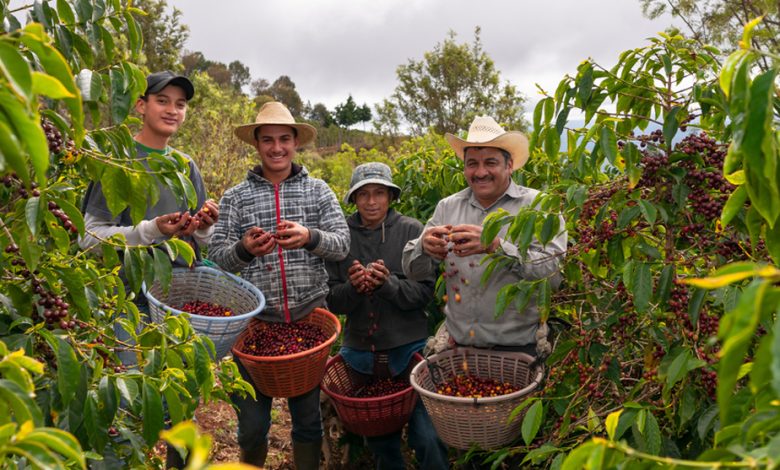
156 81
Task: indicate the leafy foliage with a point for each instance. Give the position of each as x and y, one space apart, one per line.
57 303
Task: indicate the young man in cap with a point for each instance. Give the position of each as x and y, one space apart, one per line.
278 228
385 311
490 156
163 108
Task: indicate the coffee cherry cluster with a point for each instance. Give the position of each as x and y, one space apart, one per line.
53 136
471 386
282 339
206 309
54 208
379 388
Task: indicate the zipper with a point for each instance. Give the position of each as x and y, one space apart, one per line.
281 255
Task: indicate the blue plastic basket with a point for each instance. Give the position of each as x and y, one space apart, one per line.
212 286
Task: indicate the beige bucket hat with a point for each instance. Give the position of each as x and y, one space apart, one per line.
277 113
485 132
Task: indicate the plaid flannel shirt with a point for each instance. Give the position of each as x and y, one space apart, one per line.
303 199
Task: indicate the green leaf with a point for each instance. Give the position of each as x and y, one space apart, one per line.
576 460
19 402
49 86
734 204
585 85
671 125
550 229
133 33
183 249
60 441
162 270
90 84
55 64
16 70
649 211
109 398
731 63
65 12
652 434
152 413
611 423
68 369
116 186
694 306
680 366
642 286
120 96
737 332
532 422
503 298
775 364
608 143
175 405
32 212
12 154
29 133
73 212
202 364
133 268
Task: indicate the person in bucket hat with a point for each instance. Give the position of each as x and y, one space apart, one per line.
386 320
490 155
277 228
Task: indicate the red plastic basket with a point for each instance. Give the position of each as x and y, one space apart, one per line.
375 416
294 374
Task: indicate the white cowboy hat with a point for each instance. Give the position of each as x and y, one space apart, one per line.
276 113
485 132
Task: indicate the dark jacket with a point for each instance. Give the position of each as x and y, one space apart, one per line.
395 312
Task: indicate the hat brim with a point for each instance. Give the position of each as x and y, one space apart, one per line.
306 133
396 190
514 142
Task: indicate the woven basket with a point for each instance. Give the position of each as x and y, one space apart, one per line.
293 374
463 422
375 416
213 286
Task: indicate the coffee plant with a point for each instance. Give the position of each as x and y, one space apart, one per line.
67 84
673 176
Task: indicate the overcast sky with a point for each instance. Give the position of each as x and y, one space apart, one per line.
331 48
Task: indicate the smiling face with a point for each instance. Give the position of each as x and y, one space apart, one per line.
277 146
372 201
487 172
163 113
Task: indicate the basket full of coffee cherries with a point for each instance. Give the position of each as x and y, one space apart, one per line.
219 304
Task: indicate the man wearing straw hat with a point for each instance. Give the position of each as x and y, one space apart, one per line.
385 311
490 156
278 227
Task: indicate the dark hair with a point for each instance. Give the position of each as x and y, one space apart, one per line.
295 131
506 154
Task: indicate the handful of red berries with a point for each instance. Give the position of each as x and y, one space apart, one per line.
470 386
206 309
282 339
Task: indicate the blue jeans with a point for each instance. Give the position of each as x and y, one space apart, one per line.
430 452
254 416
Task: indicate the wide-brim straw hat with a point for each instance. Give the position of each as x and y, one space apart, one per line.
485 132
276 113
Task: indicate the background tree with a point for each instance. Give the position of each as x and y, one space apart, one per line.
720 22
321 115
347 113
239 75
164 35
452 84
282 90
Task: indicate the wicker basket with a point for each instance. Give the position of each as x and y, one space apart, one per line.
375 416
463 422
213 286
293 374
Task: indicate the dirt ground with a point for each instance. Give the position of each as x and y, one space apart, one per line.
340 451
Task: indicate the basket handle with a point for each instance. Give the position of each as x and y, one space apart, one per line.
435 371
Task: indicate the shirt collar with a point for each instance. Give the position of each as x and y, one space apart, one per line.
513 191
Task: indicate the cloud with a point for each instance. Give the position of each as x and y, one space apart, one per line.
331 48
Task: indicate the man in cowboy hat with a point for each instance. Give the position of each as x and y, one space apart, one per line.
278 228
386 320
490 155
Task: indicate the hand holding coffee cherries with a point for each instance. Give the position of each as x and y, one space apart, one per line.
208 214
179 224
367 278
258 242
466 241
291 235
434 241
